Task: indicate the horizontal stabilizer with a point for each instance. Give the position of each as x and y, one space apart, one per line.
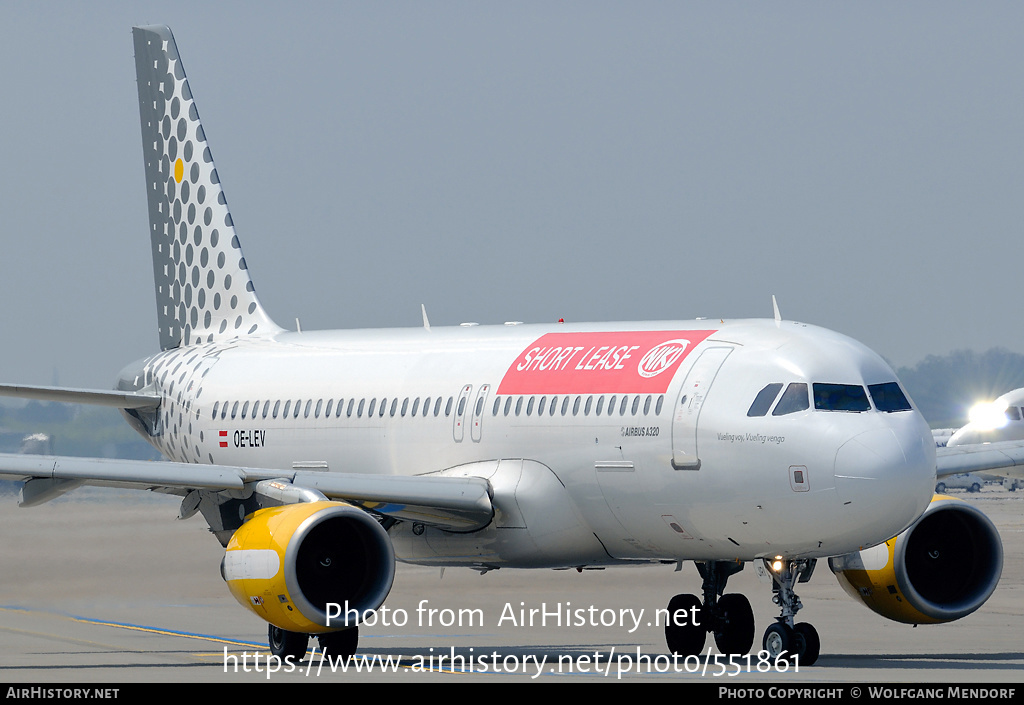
98 397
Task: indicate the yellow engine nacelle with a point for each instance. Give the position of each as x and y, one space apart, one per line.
288 563
942 567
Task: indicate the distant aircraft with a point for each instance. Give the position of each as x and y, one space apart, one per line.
993 422
998 426
318 458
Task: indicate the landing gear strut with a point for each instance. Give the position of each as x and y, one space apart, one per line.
729 616
785 637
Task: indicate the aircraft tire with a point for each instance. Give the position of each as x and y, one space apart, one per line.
735 634
778 640
685 639
811 644
343 643
284 643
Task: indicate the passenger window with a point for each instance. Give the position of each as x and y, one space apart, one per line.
371 408
540 406
277 407
318 409
327 410
479 407
586 407
266 408
216 405
600 405
234 410
448 407
309 407
519 405
383 407
348 411
622 405
611 405
529 406
647 405
245 408
394 407
575 406
793 399
636 405
298 408
437 406
657 408
359 411
840 397
888 397
763 400
508 405
287 407
496 407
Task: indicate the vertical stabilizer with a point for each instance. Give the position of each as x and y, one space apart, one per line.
203 290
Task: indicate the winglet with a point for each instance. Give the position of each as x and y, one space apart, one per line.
426 323
775 305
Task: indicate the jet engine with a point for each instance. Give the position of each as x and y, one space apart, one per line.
291 564
942 567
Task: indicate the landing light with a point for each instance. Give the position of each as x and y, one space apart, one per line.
777 564
988 415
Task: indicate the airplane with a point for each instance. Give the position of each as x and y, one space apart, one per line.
993 422
997 425
319 459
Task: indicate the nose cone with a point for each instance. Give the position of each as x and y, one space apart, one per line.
887 476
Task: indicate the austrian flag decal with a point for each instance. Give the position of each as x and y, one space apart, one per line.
621 362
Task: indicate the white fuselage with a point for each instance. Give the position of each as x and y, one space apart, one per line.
640 433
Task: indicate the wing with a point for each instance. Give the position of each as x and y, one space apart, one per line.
1006 457
452 503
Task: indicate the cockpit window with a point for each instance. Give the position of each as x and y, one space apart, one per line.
793 399
840 397
889 397
763 400
1013 413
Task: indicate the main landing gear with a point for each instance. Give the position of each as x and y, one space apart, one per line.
729 616
335 644
785 636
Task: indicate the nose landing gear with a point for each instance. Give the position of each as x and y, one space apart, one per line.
786 637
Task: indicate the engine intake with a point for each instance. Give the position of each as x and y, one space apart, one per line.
942 567
287 563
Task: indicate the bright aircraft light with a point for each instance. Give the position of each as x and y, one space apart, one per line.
988 415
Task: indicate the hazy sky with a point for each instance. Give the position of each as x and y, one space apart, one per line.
529 161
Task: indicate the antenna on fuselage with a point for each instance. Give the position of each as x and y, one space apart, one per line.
775 305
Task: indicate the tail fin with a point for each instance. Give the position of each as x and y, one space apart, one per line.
203 290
